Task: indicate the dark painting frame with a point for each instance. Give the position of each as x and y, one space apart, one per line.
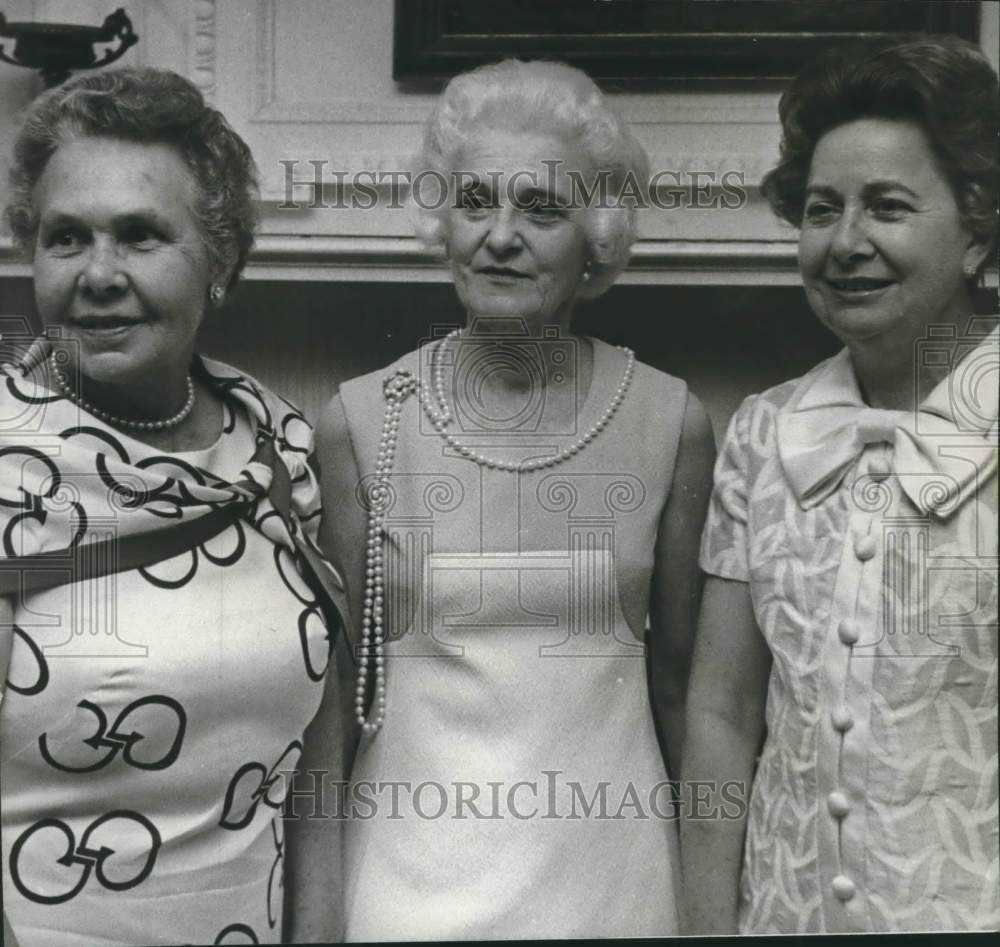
654 41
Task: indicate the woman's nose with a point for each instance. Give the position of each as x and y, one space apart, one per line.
503 235
851 239
102 274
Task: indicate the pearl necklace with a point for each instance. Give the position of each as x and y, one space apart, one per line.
114 419
397 388
441 415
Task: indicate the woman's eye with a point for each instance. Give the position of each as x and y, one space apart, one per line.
66 239
139 235
820 212
890 208
543 210
474 202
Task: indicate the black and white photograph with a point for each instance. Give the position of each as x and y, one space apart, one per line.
521 470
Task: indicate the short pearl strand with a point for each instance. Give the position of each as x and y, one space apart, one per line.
440 415
114 419
397 388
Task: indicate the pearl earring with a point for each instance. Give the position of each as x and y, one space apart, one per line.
216 293
587 271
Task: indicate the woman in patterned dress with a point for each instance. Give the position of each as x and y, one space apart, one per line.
164 608
523 498
851 604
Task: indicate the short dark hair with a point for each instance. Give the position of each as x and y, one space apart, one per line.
153 106
942 83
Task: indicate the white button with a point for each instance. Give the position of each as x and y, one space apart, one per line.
843 887
838 804
848 631
878 468
842 719
864 547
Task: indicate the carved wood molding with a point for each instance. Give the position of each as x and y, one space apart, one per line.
404 260
201 61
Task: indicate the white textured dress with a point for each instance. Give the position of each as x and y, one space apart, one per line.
517 789
869 541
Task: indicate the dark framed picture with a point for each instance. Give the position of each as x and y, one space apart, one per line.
655 40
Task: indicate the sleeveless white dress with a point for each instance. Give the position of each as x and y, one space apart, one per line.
517 788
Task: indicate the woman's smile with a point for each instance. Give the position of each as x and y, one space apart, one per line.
861 286
503 274
108 325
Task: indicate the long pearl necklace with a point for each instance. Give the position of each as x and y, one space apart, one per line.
397 388
114 419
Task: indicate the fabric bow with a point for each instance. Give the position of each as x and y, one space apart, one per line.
942 452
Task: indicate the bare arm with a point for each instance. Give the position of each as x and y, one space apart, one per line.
314 902
342 536
315 838
676 588
6 639
6 642
725 727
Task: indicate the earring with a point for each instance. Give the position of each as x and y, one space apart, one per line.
587 267
216 293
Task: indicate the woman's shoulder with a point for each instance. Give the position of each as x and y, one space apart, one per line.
262 405
374 381
768 403
647 378
230 379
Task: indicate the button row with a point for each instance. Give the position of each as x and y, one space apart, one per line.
864 547
842 719
838 804
849 631
843 887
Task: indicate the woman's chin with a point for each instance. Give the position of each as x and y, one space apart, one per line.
108 366
857 323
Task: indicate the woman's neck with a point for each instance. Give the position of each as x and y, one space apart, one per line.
899 375
508 365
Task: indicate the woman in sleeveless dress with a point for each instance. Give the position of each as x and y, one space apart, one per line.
518 511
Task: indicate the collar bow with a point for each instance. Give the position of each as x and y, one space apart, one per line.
941 453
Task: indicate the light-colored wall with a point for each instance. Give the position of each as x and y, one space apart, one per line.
311 80
321 72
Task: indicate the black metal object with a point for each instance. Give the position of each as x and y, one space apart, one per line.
56 50
655 40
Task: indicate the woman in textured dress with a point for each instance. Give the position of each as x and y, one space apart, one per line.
163 603
524 500
851 546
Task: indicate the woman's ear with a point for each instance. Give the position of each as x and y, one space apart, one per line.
218 288
216 293
978 248
975 256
